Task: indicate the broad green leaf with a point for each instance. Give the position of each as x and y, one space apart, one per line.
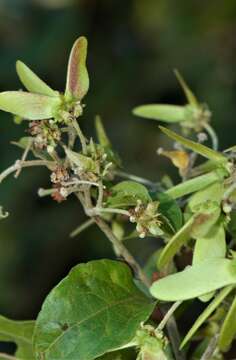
161 112
211 246
19 332
3 214
29 106
126 194
101 133
196 280
82 162
192 100
228 329
174 245
206 313
195 184
170 209
80 317
196 147
213 192
32 82
77 82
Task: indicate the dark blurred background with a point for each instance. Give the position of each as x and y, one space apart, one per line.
133 48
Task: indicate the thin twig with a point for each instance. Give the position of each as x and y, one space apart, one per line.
81 136
81 228
100 194
121 250
135 178
212 134
98 210
210 348
24 156
173 333
168 315
24 164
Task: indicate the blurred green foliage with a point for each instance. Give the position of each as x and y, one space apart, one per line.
133 47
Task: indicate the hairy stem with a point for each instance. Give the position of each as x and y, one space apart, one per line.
210 348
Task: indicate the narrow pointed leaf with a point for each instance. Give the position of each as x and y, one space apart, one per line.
196 147
192 100
194 184
206 313
228 329
29 106
82 162
161 112
32 82
77 83
80 317
19 332
174 245
196 280
101 133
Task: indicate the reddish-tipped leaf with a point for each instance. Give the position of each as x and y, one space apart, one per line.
77 83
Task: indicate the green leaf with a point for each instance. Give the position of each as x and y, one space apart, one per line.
213 192
84 163
126 194
196 147
77 82
170 209
206 313
80 317
32 82
228 329
204 220
196 280
161 112
29 106
192 100
19 332
173 246
195 184
212 245
101 133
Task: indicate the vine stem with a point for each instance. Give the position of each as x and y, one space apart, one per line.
212 134
169 313
81 136
18 165
121 249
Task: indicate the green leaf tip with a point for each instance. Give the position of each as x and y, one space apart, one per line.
196 147
192 100
77 83
101 133
32 82
29 106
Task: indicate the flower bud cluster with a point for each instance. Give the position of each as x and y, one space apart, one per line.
147 219
46 134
